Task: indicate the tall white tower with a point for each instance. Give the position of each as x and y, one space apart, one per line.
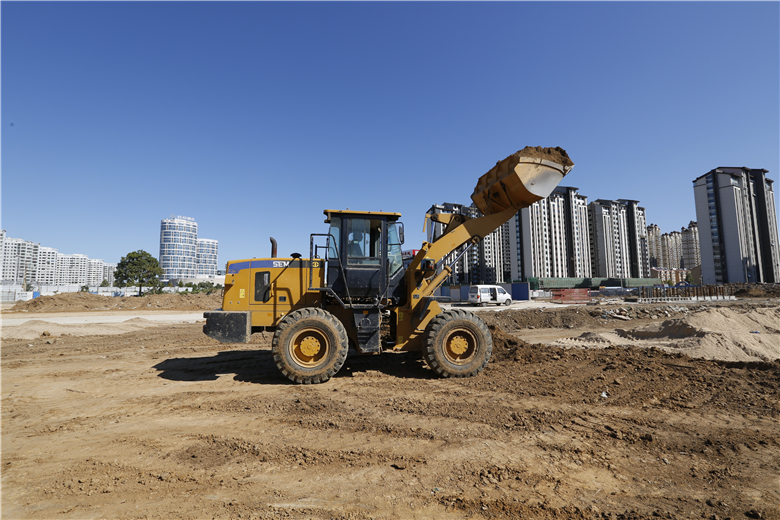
179 247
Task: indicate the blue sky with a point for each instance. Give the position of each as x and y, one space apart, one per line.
254 117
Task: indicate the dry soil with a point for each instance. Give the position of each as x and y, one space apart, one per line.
163 422
556 155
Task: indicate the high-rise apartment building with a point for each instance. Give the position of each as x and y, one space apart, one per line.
609 239
550 238
47 266
73 269
208 253
108 273
95 271
618 239
2 252
638 254
691 253
20 260
24 261
180 249
738 238
655 251
506 252
674 250
671 243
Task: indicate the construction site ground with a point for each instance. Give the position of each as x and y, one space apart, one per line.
593 411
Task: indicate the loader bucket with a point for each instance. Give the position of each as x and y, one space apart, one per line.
519 181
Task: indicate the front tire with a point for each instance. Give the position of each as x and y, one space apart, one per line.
310 346
457 344
508 303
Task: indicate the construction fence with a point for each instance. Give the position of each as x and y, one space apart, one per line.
589 283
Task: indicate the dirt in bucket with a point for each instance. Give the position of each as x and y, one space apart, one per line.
556 155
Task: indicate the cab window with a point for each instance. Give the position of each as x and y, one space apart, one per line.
364 238
333 239
394 257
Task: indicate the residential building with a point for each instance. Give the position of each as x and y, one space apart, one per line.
46 273
72 269
674 250
24 261
610 257
638 254
506 252
655 251
108 273
691 252
182 254
20 260
671 244
550 238
95 269
179 247
2 252
208 254
739 236
619 239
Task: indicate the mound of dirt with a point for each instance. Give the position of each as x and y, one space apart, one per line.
510 349
70 302
43 329
515 319
762 290
556 155
718 333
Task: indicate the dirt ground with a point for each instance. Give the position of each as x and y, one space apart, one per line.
70 302
163 422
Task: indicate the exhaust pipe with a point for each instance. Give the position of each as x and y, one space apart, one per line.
273 247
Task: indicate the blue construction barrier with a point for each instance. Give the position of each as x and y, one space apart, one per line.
521 291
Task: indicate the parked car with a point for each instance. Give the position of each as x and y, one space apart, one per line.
484 294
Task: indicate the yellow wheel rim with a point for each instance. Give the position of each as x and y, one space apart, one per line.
460 345
310 347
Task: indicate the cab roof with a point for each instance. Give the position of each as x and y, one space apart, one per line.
390 216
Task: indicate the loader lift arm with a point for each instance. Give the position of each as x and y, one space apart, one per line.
514 183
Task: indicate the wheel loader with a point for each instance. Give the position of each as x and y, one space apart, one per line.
354 281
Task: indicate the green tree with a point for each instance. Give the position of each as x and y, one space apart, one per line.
689 278
138 268
105 283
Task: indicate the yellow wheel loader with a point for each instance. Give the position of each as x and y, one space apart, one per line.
354 281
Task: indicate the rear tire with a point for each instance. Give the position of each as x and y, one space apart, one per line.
457 344
310 346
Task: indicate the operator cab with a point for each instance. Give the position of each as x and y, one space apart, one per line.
364 262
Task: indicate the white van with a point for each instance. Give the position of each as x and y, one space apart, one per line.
484 294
